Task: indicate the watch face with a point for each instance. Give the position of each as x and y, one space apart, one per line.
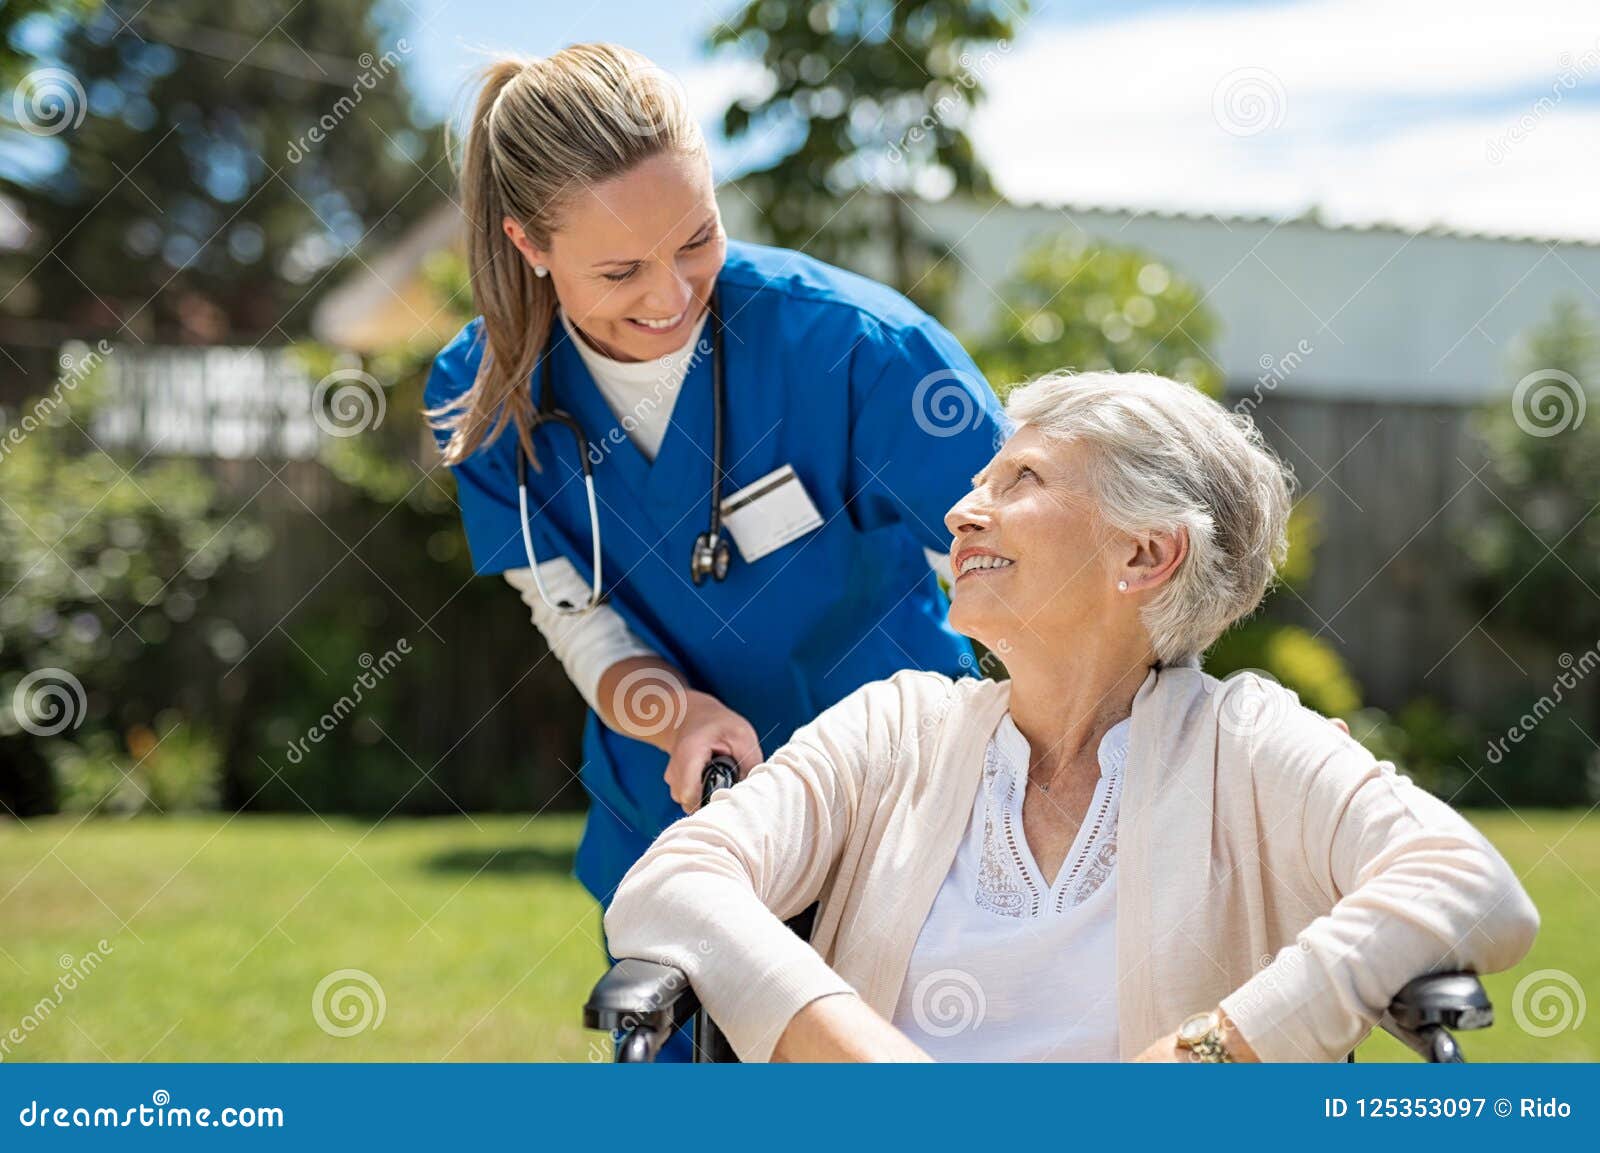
1195 1028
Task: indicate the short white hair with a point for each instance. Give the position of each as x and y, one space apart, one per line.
1164 455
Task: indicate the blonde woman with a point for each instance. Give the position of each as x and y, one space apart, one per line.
1111 855
771 442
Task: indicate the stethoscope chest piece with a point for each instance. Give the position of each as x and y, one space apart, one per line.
712 557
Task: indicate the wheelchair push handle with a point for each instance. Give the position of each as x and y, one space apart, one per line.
720 773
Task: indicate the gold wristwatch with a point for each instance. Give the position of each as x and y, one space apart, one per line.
1202 1036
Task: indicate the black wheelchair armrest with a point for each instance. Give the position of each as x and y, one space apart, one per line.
1423 1013
637 992
1453 1000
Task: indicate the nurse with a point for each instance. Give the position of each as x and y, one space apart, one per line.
831 420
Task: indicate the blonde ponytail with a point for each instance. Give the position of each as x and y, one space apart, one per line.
541 129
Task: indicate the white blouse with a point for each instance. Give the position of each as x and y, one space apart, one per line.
1008 966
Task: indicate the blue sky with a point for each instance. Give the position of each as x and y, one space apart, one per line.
1478 114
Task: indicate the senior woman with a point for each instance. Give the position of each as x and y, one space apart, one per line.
1111 855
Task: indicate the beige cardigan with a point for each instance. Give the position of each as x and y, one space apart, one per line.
1275 868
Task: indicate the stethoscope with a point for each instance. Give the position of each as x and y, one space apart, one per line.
712 554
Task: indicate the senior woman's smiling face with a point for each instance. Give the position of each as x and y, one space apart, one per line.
1031 555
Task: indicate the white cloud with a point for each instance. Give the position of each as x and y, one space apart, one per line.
1371 109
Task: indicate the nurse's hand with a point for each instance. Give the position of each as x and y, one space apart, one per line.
647 699
709 728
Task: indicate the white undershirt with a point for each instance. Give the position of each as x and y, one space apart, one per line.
641 395
1008 967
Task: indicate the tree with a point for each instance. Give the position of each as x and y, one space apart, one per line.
193 172
1074 303
1540 539
866 95
1535 559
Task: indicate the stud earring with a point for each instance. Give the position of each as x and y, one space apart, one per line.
540 270
1122 586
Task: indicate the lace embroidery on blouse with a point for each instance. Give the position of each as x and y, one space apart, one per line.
1006 885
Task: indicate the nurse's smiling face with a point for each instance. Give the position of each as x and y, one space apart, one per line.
634 259
1033 559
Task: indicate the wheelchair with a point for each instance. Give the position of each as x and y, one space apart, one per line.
643 1003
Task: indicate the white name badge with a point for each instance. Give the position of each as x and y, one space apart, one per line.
764 516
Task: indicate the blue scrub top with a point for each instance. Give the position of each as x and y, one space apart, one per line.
884 418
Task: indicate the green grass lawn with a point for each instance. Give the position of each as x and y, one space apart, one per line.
483 946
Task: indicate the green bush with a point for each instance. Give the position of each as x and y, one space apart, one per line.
109 563
174 766
1292 657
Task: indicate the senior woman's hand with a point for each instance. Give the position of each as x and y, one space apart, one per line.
1166 1050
